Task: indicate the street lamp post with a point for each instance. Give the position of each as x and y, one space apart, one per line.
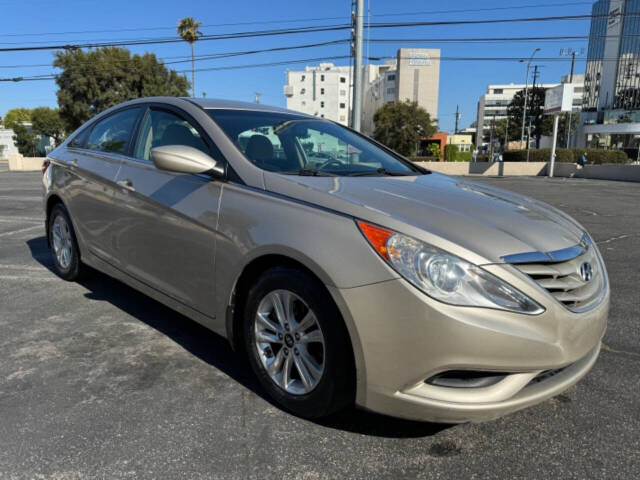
526 94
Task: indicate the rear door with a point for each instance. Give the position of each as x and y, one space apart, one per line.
166 230
93 159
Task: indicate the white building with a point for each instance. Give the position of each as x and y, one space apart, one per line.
325 91
494 103
7 147
322 91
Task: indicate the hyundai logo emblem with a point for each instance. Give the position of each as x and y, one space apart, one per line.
586 271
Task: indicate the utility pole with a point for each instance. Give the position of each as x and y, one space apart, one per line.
457 118
526 95
356 34
529 138
493 122
506 136
572 52
533 89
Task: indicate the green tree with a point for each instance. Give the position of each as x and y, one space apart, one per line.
535 108
500 131
401 126
562 126
434 150
26 141
92 81
188 31
15 116
46 121
450 153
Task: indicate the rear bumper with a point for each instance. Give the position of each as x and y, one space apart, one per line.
401 338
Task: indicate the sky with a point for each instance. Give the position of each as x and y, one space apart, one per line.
37 22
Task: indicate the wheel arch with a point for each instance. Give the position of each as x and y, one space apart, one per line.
251 271
52 200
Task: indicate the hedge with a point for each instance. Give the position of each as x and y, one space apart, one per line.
567 155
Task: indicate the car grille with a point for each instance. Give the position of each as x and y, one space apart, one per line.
564 277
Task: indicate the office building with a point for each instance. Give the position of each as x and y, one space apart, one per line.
493 105
611 109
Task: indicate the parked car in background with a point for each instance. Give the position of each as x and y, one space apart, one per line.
353 277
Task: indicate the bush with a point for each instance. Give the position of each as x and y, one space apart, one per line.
452 154
567 155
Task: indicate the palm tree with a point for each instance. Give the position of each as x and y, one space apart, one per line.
188 31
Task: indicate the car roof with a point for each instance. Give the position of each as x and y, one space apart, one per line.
211 103
231 104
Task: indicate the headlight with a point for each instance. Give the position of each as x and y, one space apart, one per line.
443 276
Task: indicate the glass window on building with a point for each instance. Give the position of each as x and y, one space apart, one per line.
627 92
342 105
302 78
498 91
343 80
322 78
391 77
343 93
321 104
322 91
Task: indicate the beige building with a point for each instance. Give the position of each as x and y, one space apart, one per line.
462 141
418 77
325 90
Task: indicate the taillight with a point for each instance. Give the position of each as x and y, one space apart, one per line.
45 165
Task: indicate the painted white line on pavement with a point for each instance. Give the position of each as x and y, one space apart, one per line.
13 232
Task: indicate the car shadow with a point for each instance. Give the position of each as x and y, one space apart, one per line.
217 352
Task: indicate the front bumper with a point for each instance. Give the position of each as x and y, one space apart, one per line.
401 337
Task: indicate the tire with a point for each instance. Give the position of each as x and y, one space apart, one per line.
63 238
311 395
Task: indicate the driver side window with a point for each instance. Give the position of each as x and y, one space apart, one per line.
160 128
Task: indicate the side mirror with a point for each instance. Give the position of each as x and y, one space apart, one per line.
184 159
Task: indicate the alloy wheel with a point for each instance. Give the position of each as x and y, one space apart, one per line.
289 342
62 242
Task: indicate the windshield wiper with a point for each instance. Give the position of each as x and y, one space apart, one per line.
380 171
310 172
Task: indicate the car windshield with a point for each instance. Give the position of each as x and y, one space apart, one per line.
298 145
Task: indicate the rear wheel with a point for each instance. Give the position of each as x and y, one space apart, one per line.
297 343
64 246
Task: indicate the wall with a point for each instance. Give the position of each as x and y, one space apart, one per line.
25 164
628 173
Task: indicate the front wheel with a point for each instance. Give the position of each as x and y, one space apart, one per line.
297 343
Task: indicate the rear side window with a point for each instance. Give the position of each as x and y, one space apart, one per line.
80 140
113 133
160 128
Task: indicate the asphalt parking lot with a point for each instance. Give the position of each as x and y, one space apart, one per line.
98 381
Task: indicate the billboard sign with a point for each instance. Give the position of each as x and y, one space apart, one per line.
558 99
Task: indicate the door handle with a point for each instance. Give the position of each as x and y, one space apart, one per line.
126 183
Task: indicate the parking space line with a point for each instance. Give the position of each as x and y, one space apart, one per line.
13 232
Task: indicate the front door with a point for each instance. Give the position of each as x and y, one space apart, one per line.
166 232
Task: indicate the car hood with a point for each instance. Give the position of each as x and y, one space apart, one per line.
486 222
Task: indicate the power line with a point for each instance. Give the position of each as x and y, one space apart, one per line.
272 22
209 56
52 76
323 28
